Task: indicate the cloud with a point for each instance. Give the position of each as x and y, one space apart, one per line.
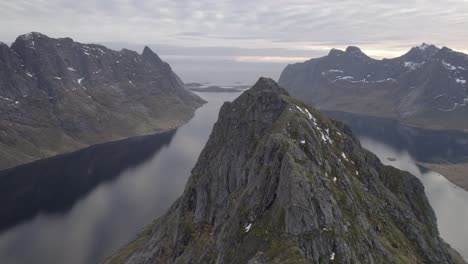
243 23
277 30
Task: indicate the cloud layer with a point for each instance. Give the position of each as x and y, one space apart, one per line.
306 28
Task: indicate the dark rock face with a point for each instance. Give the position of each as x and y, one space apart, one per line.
57 95
425 87
278 182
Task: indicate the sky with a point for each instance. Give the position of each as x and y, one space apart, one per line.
243 37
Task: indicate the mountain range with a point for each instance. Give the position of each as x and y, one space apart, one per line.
58 95
426 87
279 182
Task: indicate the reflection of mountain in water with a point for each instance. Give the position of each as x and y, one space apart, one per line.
424 145
55 184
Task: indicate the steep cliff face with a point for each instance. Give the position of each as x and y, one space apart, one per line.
57 95
278 182
425 87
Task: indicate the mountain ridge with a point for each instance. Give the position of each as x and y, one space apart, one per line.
58 95
427 86
278 182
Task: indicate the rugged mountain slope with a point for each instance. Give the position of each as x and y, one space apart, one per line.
58 95
425 87
278 182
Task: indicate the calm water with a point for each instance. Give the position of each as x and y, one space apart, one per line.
110 215
140 178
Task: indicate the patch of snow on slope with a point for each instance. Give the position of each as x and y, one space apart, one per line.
423 46
412 65
7 99
29 74
344 156
449 66
455 105
247 228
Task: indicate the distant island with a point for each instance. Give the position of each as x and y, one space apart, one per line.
198 87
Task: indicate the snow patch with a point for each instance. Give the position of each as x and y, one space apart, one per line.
7 99
335 179
247 228
57 78
412 65
29 74
80 80
455 105
306 112
423 46
71 69
332 257
449 66
460 81
344 156
387 80
302 141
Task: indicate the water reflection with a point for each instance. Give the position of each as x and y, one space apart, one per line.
424 145
449 202
112 214
54 185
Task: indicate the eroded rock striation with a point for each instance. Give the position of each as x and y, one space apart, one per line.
278 182
57 95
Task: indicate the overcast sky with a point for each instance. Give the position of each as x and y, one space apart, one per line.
244 31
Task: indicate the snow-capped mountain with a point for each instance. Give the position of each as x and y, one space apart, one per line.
57 95
425 87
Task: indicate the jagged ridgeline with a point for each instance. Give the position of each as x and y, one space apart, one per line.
58 95
278 182
426 87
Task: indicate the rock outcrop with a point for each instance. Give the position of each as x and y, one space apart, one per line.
278 182
426 87
57 95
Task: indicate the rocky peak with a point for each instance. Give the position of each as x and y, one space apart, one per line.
85 93
421 53
150 55
353 50
335 52
278 182
32 36
350 52
267 85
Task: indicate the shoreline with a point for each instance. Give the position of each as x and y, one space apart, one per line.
456 173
